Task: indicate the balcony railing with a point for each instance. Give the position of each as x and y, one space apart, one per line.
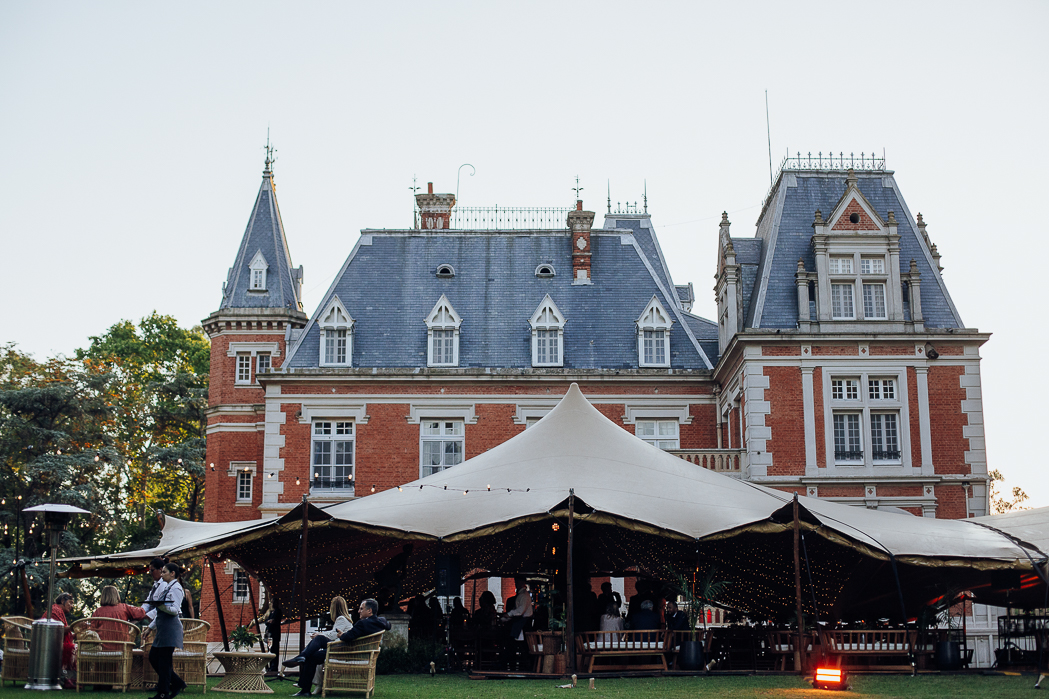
727 461
331 486
483 218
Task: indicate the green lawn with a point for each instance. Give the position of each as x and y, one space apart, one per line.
748 687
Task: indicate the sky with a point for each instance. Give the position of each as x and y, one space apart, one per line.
134 137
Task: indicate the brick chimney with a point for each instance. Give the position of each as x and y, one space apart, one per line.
435 210
580 222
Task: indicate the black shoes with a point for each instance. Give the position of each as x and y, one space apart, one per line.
302 693
177 690
294 662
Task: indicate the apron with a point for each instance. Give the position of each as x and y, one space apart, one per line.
169 628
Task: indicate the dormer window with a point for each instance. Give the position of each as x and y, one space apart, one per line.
653 335
544 270
258 267
442 330
547 330
336 327
445 271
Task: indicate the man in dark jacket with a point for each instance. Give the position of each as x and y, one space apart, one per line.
370 622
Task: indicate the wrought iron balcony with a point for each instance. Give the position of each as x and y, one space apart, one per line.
338 486
481 218
727 461
848 455
886 454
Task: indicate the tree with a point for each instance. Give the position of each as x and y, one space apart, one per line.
1001 505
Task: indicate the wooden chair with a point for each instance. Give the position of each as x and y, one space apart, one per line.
18 631
104 651
350 667
191 662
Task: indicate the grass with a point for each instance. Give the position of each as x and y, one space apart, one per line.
723 687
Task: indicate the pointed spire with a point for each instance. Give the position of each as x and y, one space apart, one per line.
646 196
262 275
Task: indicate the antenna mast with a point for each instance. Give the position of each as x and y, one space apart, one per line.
768 132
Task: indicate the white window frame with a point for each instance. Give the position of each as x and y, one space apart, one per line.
443 432
335 434
242 369
442 319
241 583
838 301
652 320
857 452
244 485
258 270
259 369
663 434
335 324
547 323
873 287
874 385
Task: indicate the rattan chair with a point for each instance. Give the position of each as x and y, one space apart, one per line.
17 633
191 662
350 667
104 651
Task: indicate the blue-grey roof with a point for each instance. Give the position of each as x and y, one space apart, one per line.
706 331
748 257
646 238
794 208
264 233
389 286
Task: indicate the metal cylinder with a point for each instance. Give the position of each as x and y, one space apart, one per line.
45 655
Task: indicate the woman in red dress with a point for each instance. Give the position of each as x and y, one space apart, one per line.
112 608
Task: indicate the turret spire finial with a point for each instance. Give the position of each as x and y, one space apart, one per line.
577 188
270 157
646 196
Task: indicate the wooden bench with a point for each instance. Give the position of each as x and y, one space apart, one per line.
619 645
869 645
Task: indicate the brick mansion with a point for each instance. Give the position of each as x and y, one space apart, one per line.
837 366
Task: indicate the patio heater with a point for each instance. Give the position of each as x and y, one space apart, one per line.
830 678
45 649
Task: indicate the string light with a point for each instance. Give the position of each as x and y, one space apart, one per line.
97 457
297 480
555 526
373 487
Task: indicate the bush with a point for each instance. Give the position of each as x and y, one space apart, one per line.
399 657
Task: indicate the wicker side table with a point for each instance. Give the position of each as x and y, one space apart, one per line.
244 672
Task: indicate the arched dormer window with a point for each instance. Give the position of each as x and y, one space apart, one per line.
336 328
258 267
653 335
442 334
445 270
545 270
548 325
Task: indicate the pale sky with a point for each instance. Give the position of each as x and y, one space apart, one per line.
134 133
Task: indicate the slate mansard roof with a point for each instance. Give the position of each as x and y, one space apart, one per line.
784 235
265 234
389 286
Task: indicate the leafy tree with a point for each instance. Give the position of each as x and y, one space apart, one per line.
999 503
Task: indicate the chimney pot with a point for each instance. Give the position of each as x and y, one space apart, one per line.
578 204
429 187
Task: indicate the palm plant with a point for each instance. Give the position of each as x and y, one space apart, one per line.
702 591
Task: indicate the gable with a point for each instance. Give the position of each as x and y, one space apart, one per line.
855 218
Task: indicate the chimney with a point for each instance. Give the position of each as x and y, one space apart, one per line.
579 223
435 210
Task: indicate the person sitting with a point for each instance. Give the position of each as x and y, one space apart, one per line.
459 616
60 610
368 624
646 619
110 607
339 612
522 611
486 616
677 620
611 620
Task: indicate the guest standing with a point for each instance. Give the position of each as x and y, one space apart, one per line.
167 601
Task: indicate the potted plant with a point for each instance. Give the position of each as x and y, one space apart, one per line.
243 639
700 592
935 614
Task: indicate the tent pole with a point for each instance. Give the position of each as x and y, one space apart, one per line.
218 605
800 643
903 611
570 607
302 568
255 614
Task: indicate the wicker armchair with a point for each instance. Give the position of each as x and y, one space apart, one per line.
104 651
191 662
17 633
350 667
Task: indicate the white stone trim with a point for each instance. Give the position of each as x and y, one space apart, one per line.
526 411
273 442
433 324
755 407
676 410
429 410
253 348
234 427
545 306
335 317
924 420
649 320
976 454
334 407
809 409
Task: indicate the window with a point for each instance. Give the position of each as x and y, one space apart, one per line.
243 368
257 267
244 479
885 440
445 271
872 265
874 301
841 302
262 364
544 271
840 265
847 442
332 461
654 335
547 327
240 586
845 389
336 341
659 433
442 445
881 389
443 330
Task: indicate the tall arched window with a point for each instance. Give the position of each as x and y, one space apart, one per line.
442 334
547 334
653 335
336 326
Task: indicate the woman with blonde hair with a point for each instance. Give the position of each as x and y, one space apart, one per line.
110 607
339 612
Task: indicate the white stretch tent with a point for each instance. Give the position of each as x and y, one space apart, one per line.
639 510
